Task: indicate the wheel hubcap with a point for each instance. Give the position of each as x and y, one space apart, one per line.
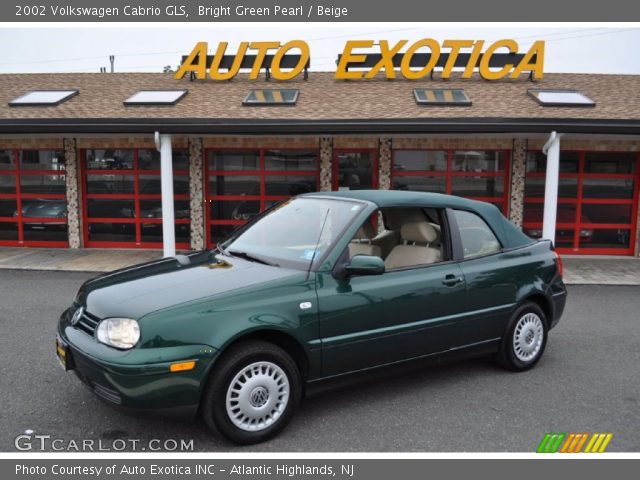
527 337
257 396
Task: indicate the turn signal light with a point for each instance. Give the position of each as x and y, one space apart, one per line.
182 366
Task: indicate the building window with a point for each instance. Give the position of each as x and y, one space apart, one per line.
242 183
33 202
597 201
355 169
122 198
477 174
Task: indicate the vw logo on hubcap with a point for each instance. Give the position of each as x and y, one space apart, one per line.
258 397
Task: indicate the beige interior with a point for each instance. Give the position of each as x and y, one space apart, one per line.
408 240
361 244
416 249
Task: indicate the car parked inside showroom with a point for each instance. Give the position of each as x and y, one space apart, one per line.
318 287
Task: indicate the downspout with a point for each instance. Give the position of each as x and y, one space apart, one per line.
163 145
552 150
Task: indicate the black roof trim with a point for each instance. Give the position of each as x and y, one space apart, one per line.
286 127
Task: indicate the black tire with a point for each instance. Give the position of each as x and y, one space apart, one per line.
233 362
507 357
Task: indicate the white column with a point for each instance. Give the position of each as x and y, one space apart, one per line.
163 144
552 150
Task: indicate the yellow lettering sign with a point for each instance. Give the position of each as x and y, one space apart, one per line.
485 71
405 65
462 54
532 61
198 53
196 61
348 56
277 72
537 50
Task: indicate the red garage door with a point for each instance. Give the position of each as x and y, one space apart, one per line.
122 206
597 201
33 202
477 174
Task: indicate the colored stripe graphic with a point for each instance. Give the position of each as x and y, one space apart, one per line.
574 443
598 443
551 442
555 442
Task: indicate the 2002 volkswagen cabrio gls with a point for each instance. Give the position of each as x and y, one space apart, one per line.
319 286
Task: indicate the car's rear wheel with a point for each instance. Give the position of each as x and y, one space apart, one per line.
253 392
525 339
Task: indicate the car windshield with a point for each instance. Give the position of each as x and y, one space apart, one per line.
290 233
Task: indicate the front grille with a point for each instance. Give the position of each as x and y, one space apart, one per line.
88 323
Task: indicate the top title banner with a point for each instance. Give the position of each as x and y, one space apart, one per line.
315 11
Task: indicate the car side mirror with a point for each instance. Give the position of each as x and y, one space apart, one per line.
365 265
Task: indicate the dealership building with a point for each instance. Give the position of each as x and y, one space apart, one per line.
80 167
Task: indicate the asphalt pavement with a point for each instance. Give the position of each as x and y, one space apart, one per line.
587 381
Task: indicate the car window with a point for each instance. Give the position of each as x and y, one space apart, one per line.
476 236
296 231
412 237
366 240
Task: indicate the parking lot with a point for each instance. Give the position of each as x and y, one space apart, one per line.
587 381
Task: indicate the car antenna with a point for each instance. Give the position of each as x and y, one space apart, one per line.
313 255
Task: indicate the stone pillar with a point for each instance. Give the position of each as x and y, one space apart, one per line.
196 192
516 189
72 182
326 159
384 164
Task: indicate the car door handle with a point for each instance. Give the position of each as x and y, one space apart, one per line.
452 280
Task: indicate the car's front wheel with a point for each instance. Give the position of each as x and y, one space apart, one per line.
525 339
253 392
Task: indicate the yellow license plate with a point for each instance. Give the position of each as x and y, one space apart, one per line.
62 351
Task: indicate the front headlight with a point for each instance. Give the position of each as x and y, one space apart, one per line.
118 332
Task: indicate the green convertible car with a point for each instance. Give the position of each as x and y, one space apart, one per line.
317 287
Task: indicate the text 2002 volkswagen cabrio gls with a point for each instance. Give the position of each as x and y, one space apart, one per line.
319 286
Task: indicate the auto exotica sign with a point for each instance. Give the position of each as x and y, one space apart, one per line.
364 59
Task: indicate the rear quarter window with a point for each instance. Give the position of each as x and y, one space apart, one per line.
476 236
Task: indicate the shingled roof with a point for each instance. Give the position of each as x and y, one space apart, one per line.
324 104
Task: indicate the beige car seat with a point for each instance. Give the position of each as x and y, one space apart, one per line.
387 240
417 249
361 243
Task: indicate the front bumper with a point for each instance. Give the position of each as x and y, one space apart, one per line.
138 378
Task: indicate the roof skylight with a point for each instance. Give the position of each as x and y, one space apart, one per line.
271 97
156 97
43 98
560 98
441 96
